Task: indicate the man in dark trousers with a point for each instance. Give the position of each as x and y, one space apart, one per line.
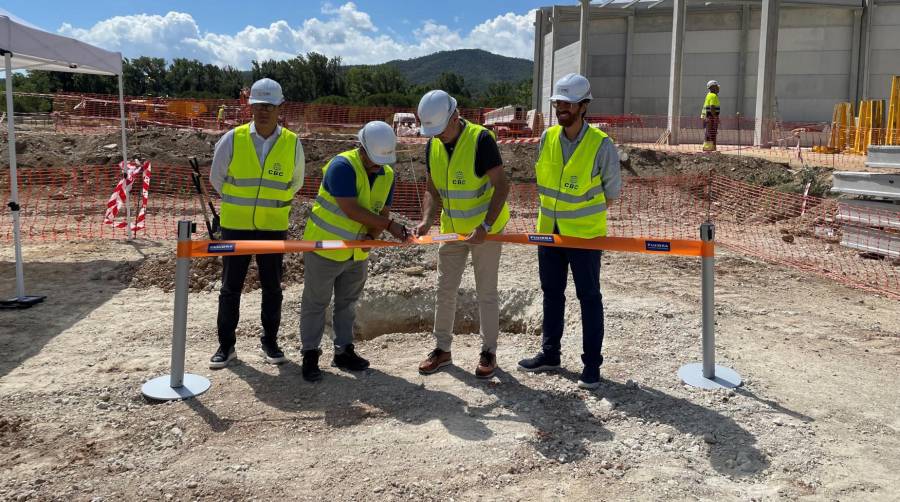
578 177
257 168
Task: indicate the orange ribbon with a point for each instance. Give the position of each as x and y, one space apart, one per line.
678 247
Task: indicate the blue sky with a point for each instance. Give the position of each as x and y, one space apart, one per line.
232 32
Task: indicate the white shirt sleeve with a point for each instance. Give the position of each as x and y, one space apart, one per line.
222 155
299 168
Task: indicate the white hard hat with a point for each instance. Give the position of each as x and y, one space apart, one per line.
379 142
711 83
572 88
266 90
435 109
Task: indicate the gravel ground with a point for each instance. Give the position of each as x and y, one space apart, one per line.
816 418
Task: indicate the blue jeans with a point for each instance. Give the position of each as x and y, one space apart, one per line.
553 267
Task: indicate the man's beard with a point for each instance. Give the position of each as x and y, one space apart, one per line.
566 119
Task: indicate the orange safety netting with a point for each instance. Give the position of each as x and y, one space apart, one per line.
808 233
98 112
796 143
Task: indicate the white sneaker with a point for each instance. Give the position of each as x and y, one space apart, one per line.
220 360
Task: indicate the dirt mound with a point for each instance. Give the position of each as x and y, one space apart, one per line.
519 160
779 175
161 146
174 147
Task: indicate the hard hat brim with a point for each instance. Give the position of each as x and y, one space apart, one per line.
569 99
254 101
435 130
382 159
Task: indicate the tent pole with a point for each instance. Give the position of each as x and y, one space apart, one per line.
13 177
124 156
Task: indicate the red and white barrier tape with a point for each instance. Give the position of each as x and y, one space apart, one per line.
518 141
117 199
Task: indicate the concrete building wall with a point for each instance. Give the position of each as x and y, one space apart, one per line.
567 50
816 60
567 60
547 84
813 70
884 57
607 43
711 47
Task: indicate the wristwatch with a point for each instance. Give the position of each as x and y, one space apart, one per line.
486 227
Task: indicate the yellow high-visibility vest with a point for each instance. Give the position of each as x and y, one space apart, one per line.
258 197
328 222
465 196
571 198
710 106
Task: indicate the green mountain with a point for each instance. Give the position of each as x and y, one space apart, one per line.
479 68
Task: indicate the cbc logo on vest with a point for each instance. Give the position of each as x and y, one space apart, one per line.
572 184
459 178
276 170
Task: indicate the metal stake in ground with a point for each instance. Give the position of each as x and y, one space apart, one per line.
178 384
707 375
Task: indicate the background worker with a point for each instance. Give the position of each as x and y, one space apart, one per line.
578 177
257 168
353 203
220 116
710 116
465 172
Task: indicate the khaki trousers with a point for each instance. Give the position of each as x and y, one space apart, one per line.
452 259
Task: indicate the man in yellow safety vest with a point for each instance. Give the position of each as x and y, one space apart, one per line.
220 116
578 177
353 203
465 172
257 168
710 116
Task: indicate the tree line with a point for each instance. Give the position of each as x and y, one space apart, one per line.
310 78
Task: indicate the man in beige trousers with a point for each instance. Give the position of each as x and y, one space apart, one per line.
465 172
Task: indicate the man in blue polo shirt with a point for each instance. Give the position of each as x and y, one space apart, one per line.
353 203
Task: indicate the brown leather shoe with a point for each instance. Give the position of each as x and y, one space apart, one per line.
436 360
487 363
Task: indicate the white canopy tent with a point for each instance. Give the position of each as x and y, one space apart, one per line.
27 47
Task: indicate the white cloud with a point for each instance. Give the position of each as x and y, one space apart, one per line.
509 34
343 31
141 34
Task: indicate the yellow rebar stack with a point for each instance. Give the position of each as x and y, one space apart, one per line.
892 132
869 125
841 122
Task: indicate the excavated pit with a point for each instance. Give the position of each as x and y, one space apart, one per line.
383 311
